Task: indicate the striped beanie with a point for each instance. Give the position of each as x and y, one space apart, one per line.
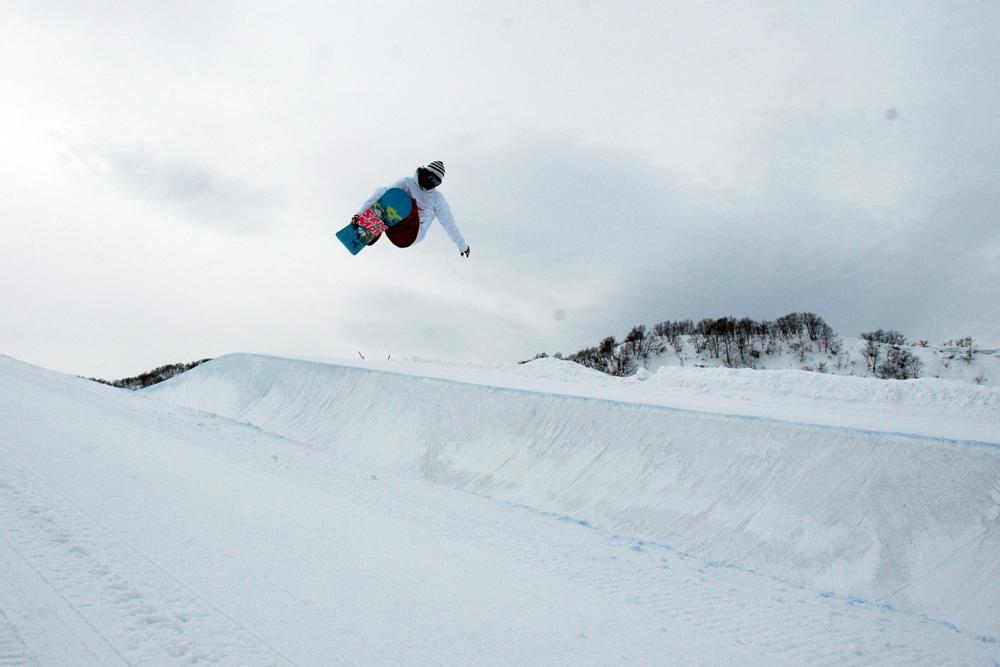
436 168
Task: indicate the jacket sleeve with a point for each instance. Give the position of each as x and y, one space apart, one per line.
401 184
443 213
371 200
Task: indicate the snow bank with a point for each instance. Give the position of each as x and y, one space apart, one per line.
911 520
931 407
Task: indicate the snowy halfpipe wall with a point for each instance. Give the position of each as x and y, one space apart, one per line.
909 521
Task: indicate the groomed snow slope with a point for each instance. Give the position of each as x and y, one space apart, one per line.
890 493
137 532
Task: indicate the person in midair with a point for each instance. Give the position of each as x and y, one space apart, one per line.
430 205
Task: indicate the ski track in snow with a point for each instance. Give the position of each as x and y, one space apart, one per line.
13 651
136 532
62 551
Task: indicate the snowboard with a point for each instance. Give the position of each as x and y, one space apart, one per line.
391 208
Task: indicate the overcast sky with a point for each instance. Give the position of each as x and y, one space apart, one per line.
173 173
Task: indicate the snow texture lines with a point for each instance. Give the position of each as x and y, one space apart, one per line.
13 651
122 606
737 613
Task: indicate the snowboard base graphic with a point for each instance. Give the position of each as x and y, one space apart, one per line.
391 208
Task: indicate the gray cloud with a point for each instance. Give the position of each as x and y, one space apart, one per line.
809 235
863 229
553 201
195 192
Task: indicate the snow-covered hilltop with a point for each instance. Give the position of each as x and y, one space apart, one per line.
967 363
261 510
796 341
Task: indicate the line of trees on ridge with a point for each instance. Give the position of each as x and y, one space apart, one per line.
152 377
741 342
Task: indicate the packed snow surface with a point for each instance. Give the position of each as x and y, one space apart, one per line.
260 510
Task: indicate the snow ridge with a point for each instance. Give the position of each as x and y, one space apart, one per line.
908 521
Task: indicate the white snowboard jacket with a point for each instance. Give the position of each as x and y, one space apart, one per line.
431 204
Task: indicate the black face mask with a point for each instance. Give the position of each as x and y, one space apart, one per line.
428 181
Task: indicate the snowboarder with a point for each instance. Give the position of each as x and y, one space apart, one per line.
431 204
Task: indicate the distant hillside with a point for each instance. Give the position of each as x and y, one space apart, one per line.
152 377
801 341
